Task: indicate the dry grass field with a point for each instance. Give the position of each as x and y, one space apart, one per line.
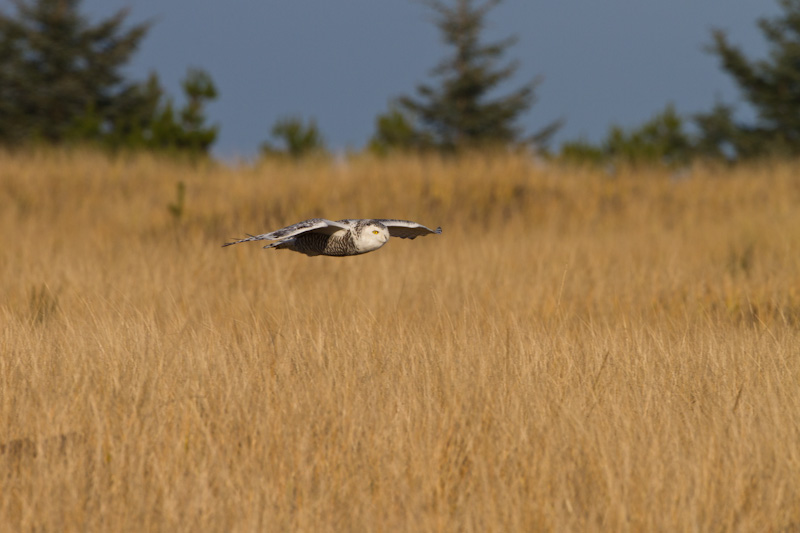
575 352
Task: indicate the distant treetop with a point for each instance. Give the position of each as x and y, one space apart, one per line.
61 81
460 111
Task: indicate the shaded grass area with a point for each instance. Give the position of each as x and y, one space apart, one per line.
576 351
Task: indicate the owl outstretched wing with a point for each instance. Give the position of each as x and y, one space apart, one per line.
313 225
406 229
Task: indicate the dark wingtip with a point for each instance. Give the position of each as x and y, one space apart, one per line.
438 230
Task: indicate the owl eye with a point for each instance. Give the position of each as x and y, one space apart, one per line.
374 232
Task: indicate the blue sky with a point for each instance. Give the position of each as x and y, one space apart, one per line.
340 63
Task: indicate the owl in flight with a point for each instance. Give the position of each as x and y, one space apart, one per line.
319 236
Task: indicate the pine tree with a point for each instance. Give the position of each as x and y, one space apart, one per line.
395 131
185 130
59 74
61 81
198 88
458 112
298 139
660 140
771 86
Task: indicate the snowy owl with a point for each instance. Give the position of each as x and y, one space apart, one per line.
319 236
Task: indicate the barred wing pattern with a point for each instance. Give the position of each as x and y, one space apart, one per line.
405 229
351 236
316 225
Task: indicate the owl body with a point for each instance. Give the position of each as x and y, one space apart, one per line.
319 236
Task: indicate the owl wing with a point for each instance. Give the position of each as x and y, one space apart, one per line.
313 225
405 229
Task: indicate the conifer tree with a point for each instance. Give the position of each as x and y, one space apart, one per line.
185 130
395 131
459 112
56 68
298 139
61 81
660 140
771 86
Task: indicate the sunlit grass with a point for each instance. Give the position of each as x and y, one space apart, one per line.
577 351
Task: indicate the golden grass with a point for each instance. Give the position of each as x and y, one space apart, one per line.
575 352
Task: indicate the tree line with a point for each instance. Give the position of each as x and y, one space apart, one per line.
61 82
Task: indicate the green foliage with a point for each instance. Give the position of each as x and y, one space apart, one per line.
177 207
394 130
459 113
61 82
158 126
662 139
721 137
771 86
298 139
583 151
185 130
198 88
60 75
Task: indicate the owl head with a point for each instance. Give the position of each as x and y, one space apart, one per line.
371 236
